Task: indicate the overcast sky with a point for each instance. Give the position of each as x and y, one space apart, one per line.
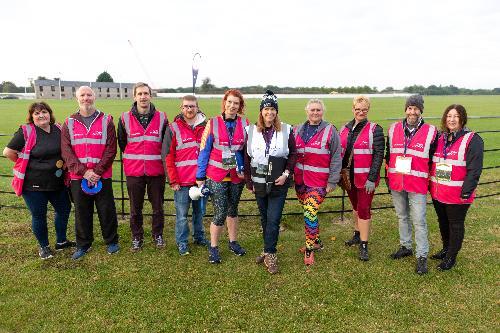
285 43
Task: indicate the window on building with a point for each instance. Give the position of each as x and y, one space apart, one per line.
52 88
62 88
118 90
99 91
125 89
41 88
126 94
107 90
107 95
63 95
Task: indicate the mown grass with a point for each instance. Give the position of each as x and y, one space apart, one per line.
161 291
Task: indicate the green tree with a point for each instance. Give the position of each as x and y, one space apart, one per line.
207 85
9 87
104 77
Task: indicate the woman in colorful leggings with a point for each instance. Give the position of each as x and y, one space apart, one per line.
317 170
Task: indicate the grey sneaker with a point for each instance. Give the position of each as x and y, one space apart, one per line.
45 252
271 262
136 245
421 266
159 242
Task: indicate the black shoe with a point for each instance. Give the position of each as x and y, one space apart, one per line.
354 240
401 253
440 255
363 252
236 248
421 266
447 264
137 244
64 245
45 252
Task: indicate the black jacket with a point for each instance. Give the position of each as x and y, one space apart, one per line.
378 149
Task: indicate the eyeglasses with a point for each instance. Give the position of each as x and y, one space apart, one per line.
189 106
361 110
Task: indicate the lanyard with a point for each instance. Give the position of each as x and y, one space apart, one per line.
408 140
445 141
267 139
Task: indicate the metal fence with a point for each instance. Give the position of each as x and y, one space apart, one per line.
344 198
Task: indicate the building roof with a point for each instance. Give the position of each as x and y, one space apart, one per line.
83 83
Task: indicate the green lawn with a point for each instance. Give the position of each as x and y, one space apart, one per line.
161 291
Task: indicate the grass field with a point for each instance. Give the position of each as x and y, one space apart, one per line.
161 291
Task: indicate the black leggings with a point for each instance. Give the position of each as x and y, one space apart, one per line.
451 225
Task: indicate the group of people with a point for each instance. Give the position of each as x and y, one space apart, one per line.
224 154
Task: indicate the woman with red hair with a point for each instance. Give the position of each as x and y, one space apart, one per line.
220 168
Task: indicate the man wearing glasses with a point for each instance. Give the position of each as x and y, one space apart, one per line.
180 150
140 135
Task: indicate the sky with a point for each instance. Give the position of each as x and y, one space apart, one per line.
379 43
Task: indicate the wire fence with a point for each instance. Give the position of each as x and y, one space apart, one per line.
122 211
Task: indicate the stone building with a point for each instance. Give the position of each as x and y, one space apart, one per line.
56 89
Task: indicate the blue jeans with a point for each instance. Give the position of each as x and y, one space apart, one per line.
270 208
411 210
37 202
182 203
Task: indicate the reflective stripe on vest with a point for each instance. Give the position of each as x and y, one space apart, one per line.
126 121
178 137
312 168
104 135
412 172
19 170
215 131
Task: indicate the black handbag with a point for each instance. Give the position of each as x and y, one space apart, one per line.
275 168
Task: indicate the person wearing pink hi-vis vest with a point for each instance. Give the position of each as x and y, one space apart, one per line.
410 146
317 170
88 147
363 151
140 135
39 176
456 167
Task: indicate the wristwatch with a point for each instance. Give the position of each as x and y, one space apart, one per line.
286 173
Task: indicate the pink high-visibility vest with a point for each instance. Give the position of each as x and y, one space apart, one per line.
23 158
313 158
450 191
215 169
89 144
186 151
142 155
362 153
416 181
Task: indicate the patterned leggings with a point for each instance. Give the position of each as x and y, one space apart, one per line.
311 198
225 198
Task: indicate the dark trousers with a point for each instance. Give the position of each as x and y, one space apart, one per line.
136 187
270 208
37 202
451 225
84 213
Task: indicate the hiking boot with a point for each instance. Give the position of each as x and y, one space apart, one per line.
271 262
236 248
260 258
80 252
159 242
308 257
318 246
113 248
64 245
421 266
401 253
213 255
183 249
136 245
440 255
363 252
201 242
447 264
354 240
45 252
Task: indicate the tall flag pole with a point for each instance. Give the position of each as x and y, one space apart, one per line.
195 67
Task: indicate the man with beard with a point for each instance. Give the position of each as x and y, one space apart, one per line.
410 146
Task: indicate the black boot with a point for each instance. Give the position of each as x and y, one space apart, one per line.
440 255
363 251
354 240
447 264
